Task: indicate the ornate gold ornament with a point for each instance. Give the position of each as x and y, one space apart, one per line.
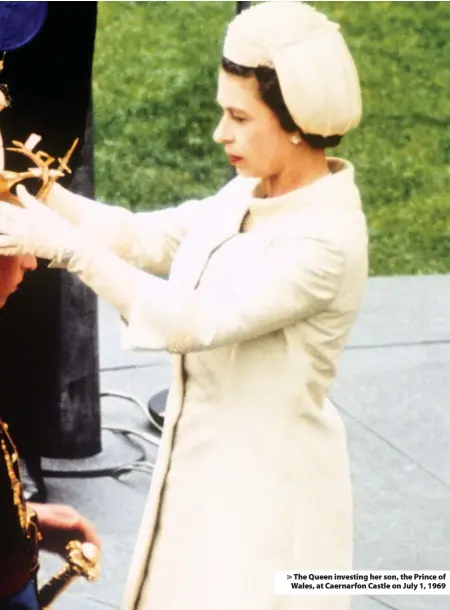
42 170
83 560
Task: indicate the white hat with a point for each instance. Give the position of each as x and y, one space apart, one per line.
316 72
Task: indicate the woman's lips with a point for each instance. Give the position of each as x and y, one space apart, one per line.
234 160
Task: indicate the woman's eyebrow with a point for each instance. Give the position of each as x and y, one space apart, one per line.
231 108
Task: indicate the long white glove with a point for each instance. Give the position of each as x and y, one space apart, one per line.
110 225
37 230
296 278
147 240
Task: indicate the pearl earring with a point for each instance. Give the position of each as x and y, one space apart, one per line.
295 139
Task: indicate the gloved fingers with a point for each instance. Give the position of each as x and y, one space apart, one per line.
7 225
35 171
10 212
27 200
9 246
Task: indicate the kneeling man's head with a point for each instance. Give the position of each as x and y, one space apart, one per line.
12 271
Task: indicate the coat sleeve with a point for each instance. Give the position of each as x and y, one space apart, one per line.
147 240
296 279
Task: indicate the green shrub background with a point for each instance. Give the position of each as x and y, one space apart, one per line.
154 89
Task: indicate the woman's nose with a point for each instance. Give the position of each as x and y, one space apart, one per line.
222 134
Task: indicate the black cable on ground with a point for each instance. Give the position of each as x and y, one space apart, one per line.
140 464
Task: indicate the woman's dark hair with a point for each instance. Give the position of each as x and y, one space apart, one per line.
269 89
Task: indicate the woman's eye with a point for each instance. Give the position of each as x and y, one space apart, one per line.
239 119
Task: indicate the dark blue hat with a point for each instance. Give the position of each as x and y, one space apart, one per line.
20 22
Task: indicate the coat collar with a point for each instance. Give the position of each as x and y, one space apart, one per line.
339 184
239 199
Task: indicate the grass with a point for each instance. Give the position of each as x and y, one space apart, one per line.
154 89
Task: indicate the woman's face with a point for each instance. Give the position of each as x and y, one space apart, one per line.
12 270
249 130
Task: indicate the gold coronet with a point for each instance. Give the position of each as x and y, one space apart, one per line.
43 170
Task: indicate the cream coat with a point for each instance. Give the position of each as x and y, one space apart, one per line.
252 474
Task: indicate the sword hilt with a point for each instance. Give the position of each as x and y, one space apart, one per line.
83 560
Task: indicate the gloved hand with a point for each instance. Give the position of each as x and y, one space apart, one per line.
108 224
37 230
